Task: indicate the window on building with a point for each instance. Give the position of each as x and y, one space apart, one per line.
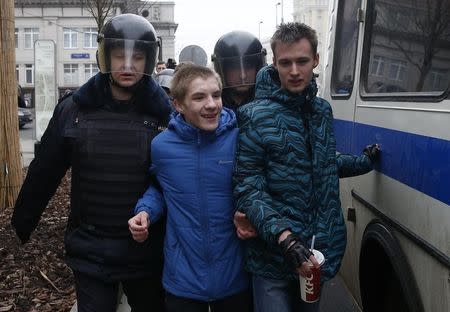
90 37
377 66
397 70
29 68
70 38
16 37
70 74
439 79
30 35
90 70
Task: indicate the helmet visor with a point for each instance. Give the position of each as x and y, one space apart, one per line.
239 70
127 56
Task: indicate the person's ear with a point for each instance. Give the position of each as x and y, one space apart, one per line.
316 60
178 106
274 62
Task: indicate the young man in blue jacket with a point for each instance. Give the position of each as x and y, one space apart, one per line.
287 174
193 162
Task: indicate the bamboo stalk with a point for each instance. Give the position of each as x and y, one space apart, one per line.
10 161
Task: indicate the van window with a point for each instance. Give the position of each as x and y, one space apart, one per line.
408 47
345 48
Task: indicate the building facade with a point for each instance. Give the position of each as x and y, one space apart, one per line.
73 29
315 14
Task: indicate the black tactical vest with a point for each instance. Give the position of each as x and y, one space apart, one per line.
110 168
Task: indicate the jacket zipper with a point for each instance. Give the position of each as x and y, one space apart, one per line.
204 210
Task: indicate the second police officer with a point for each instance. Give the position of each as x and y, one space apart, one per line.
237 58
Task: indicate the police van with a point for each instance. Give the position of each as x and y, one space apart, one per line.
387 77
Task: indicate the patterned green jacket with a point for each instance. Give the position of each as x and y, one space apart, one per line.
287 175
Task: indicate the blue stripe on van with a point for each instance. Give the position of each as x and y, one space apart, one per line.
418 161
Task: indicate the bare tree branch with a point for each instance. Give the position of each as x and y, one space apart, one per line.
136 6
428 28
99 9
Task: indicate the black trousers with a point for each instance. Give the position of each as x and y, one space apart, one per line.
94 295
241 302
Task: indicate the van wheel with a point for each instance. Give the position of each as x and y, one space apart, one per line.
386 279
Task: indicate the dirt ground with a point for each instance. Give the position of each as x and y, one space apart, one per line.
33 276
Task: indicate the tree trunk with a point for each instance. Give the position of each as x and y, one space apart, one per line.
10 161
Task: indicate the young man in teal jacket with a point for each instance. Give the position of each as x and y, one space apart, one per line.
287 174
193 161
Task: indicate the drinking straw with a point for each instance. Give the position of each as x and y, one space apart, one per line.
312 242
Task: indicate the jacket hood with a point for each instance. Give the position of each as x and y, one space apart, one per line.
152 99
189 132
268 87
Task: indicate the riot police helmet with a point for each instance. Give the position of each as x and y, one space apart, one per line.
237 58
164 79
127 43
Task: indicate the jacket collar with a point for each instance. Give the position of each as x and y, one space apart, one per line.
189 132
152 99
268 86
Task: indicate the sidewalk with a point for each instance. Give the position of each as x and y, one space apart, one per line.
27 150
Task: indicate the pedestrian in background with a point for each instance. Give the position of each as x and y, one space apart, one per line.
164 79
287 173
171 63
103 132
161 65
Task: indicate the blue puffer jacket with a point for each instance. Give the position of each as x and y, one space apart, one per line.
203 255
287 175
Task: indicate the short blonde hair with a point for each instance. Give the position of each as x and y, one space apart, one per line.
185 75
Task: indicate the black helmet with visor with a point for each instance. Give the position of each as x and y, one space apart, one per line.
238 51
132 38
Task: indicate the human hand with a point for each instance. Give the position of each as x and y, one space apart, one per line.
138 226
373 152
297 254
305 269
244 229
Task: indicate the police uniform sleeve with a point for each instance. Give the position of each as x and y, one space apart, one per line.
43 177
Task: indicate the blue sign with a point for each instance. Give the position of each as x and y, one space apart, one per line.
79 55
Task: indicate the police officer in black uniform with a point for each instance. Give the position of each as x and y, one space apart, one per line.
237 58
103 132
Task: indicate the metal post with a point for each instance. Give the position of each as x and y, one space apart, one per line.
259 30
282 13
276 13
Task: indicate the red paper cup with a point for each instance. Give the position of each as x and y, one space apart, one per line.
310 285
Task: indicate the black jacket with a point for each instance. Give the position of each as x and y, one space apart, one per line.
88 250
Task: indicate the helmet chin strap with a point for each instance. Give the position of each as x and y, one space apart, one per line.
130 89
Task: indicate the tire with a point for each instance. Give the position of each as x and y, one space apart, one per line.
386 280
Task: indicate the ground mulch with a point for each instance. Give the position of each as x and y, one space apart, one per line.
34 276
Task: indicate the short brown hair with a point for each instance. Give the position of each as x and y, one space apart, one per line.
185 75
293 32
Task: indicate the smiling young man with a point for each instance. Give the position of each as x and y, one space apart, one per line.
193 161
287 171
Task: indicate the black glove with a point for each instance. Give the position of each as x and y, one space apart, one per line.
373 152
294 250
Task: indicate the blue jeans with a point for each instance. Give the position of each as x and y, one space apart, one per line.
273 295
